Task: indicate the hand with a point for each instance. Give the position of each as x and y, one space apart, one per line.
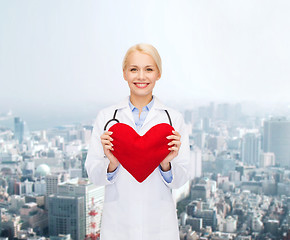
175 146
108 147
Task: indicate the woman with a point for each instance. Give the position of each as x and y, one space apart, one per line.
133 210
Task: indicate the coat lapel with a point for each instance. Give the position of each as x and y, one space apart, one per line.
157 105
124 105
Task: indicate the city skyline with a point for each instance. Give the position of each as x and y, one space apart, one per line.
43 118
238 187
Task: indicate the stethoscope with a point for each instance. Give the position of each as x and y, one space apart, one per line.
116 120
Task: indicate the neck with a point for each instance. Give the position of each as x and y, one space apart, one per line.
140 101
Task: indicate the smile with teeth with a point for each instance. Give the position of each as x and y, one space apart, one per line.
141 85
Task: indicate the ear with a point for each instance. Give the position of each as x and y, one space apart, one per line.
159 76
124 75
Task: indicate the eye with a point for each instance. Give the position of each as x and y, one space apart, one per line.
149 69
133 69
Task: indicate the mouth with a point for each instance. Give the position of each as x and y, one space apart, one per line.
141 85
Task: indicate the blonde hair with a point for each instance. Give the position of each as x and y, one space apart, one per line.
147 49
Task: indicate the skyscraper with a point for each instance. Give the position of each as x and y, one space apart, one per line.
82 187
66 215
51 183
251 145
277 139
18 129
83 160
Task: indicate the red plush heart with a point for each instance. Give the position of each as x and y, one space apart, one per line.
140 155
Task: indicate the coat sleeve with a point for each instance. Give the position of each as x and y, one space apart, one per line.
96 162
180 164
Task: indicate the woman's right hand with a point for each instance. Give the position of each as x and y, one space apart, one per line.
108 147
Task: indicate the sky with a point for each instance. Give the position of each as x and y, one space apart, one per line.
64 57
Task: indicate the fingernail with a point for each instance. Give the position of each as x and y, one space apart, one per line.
110 133
111 139
112 144
168 137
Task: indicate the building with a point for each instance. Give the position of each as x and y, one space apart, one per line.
16 203
224 164
51 183
61 237
66 215
38 199
79 187
200 191
230 224
251 145
32 216
272 226
42 170
40 187
254 187
234 176
199 138
18 129
84 154
216 143
195 223
205 124
25 187
267 159
11 223
209 218
195 164
277 139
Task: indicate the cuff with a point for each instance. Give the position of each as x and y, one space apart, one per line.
111 175
167 176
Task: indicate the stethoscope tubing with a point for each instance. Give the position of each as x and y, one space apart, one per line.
116 120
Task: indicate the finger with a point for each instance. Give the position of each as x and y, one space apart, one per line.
107 142
105 134
176 133
173 149
174 143
109 147
106 137
173 137
177 145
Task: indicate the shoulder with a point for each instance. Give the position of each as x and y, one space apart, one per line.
176 118
108 111
175 115
161 106
174 112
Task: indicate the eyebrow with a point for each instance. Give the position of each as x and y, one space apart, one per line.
132 65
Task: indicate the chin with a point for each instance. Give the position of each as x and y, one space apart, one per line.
139 94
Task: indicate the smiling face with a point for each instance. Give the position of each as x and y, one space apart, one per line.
141 73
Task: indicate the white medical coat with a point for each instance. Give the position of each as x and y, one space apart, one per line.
133 210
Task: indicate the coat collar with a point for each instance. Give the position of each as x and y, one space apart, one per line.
156 105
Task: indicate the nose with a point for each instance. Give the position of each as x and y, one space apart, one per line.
141 74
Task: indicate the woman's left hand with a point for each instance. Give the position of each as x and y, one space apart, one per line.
174 146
